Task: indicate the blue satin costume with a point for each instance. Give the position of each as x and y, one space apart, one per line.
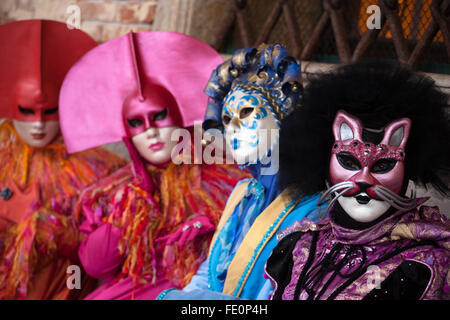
282 73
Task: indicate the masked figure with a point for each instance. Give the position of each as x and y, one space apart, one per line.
149 224
39 181
383 126
251 95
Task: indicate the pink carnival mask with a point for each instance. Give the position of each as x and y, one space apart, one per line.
155 107
364 164
149 118
367 178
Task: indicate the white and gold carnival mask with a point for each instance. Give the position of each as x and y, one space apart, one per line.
251 127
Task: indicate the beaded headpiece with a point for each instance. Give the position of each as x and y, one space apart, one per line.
267 69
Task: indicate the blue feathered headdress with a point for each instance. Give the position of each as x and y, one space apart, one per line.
267 69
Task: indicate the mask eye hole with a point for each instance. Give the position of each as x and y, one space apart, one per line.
25 110
160 115
226 119
134 123
245 112
348 161
51 111
383 165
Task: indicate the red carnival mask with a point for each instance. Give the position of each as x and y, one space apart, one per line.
34 59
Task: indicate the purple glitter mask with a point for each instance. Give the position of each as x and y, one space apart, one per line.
364 163
363 167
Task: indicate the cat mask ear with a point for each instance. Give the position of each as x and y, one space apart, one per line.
346 127
397 133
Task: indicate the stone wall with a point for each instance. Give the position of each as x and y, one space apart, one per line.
103 20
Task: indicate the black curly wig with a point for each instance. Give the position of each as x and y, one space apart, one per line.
377 94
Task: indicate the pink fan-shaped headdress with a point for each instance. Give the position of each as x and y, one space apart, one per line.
136 65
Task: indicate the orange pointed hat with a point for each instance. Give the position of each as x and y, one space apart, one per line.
34 59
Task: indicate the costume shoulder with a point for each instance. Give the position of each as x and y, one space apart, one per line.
426 223
423 272
221 180
100 195
95 163
58 174
113 181
303 226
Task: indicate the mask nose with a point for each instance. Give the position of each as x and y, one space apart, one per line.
39 115
364 177
148 126
235 124
151 132
39 124
365 182
363 186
